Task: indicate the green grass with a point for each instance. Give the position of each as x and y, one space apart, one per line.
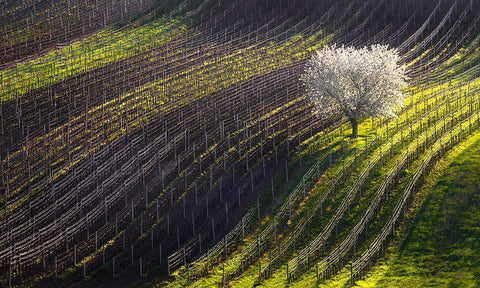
440 245
99 49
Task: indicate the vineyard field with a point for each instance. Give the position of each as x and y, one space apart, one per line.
174 143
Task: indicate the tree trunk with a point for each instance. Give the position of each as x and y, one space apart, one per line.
354 128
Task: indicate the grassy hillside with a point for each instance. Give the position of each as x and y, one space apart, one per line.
437 245
170 144
440 241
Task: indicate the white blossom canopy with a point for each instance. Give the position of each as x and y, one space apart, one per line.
357 83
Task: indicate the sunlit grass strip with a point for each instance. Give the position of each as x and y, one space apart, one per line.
94 51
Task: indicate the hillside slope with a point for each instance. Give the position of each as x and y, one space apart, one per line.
439 245
170 143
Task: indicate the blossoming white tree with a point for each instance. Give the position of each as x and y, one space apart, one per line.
357 83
